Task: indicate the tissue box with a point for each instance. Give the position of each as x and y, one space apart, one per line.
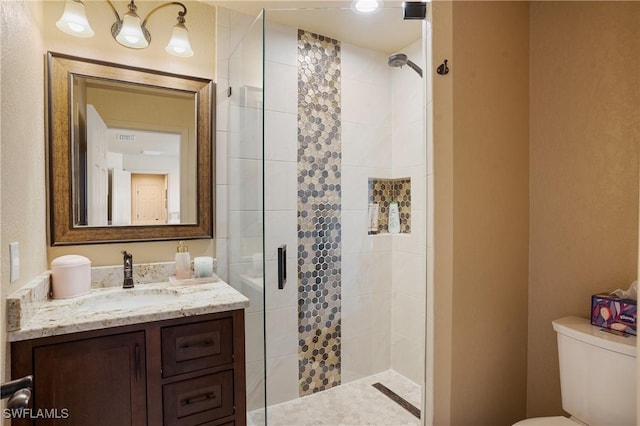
612 312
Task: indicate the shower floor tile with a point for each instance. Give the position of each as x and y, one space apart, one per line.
354 403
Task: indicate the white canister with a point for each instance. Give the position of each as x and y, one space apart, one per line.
70 276
203 266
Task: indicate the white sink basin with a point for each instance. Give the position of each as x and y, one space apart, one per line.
126 299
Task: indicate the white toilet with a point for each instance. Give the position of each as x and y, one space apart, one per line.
597 376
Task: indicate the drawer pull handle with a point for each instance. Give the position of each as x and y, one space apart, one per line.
188 347
196 399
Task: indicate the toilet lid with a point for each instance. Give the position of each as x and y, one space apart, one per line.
547 421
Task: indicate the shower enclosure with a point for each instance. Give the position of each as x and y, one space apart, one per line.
317 139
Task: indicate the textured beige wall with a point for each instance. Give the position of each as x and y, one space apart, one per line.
481 213
442 44
490 198
22 190
585 132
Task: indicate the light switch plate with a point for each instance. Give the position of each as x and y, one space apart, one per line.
14 256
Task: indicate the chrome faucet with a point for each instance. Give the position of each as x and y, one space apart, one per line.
128 270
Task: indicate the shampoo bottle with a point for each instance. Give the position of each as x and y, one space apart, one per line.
183 262
373 218
394 218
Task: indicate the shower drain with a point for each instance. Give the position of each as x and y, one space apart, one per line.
398 399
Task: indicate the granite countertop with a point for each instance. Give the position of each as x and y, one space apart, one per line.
32 314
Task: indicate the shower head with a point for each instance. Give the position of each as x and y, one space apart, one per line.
400 60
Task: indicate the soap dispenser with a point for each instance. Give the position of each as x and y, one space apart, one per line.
183 262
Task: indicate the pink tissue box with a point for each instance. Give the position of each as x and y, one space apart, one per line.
609 311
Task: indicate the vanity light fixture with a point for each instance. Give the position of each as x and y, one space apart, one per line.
129 31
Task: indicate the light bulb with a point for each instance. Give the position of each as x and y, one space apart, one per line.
179 43
131 34
74 20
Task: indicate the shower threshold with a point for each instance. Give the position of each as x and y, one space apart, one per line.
353 403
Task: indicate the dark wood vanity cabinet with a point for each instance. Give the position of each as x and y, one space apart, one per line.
183 372
96 378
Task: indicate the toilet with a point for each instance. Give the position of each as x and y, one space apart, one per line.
597 376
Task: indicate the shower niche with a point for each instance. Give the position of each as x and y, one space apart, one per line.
381 193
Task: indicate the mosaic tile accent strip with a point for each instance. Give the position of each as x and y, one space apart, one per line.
319 211
382 192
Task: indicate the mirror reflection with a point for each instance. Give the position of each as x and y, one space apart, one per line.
134 154
130 153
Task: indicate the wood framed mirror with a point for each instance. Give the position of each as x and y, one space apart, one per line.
130 153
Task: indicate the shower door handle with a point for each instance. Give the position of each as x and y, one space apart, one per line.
282 266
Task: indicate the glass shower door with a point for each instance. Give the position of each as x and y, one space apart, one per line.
342 130
245 201
337 312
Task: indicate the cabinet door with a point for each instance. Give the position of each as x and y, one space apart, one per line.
99 381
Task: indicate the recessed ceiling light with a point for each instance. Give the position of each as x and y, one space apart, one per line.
148 152
366 6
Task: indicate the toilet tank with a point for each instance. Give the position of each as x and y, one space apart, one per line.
597 373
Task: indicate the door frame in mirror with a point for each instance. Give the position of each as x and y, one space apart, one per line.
62 229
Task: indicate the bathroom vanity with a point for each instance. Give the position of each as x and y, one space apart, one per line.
168 356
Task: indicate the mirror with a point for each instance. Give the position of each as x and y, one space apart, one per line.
130 153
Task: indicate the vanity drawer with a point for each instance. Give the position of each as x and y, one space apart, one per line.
196 346
198 401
